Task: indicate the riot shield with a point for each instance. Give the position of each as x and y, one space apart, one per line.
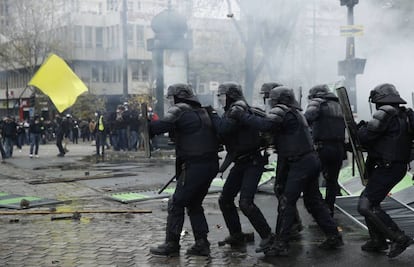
145 127
352 133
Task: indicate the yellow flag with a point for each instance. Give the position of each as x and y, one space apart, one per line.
56 79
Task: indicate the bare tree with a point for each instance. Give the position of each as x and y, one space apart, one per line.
265 29
35 29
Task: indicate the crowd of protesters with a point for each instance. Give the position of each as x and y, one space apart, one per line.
118 130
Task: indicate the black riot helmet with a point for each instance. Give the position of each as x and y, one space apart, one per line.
385 94
283 95
182 92
232 90
266 87
318 91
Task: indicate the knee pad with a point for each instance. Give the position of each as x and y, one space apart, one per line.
247 206
364 206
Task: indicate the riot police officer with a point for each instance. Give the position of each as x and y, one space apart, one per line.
387 138
243 147
324 115
196 166
294 144
281 166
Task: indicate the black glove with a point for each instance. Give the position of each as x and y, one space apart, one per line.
348 147
210 110
361 123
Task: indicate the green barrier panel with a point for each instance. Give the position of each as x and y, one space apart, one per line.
406 182
17 200
12 201
346 174
215 187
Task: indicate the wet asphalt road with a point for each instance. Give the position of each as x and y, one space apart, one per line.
100 239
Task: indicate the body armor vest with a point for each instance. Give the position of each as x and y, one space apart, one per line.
245 140
297 143
330 125
198 143
395 144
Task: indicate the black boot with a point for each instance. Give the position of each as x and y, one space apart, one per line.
168 249
279 248
266 243
399 245
237 240
377 242
295 231
200 248
332 242
375 245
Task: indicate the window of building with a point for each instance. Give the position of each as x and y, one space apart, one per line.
114 72
88 36
117 35
135 71
105 73
112 4
130 5
113 33
108 37
145 71
95 74
99 37
78 36
130 34
140 35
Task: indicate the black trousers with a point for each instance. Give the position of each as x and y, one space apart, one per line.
192 186
331 155
244 177
380 182
303 177
59 139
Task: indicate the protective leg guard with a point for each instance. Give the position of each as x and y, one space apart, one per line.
377 242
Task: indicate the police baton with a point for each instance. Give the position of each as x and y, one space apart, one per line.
167 184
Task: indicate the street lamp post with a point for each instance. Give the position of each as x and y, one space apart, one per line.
351 66
124 23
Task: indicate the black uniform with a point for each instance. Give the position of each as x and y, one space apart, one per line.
62 129
325 117
282 169
243 146
294 145
196 166
387 137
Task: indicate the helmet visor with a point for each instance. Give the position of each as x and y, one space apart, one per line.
221 98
